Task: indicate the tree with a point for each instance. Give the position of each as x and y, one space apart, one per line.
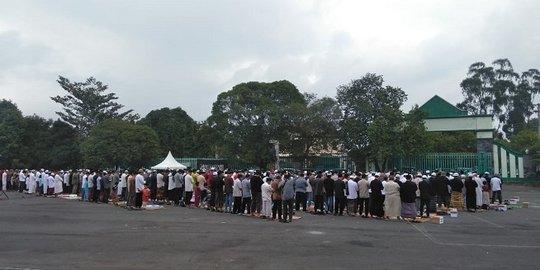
365 102
35 142
64 149
314 127
12 127
115 143
462 141
524 140
502 92
176 131
414 134
86 104
251 114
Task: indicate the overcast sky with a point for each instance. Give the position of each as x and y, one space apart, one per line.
156 54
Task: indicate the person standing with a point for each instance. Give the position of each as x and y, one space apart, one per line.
246 196
4 180
228 189
287 197
218 187
479 191
408 198
377 198
75 181
31 186
318 193
300 185
339 195
152 179
471 201
106 189
352 197
363 196
426 192
440 185
392 201
329 191
276 199
131 194
256 183
496 188
237 194
266 194
84 187
188 189
456 197
139 187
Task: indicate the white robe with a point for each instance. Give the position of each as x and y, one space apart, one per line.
4 181
31 183
478 191
58 181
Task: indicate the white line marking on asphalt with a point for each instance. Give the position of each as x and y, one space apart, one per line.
437 242
484 220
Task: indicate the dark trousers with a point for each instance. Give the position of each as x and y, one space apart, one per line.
319 203
444 199
246 204
22 186
97 192
498 195
288 209
106 193
426 203
340 205
188 197
176 195
256 202
153 193
363 204
301 199
276 207
219 201
138 200
237 205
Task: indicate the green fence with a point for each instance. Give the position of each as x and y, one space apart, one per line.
456 162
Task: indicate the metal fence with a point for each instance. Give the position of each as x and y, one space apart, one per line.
455 162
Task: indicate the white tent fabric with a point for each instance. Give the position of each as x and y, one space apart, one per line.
169 163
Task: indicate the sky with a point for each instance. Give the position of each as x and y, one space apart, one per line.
156 54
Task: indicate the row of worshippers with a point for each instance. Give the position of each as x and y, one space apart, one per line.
374 195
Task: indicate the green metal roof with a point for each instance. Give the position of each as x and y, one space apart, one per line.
437 107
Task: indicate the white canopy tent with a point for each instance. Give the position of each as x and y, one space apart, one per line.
169 163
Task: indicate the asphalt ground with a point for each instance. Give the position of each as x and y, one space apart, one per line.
53 233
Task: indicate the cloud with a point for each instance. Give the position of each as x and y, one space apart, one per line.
156 54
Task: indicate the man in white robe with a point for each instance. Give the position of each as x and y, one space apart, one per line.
58 184
478 181
4 180
31 182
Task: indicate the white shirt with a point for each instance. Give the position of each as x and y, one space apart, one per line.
160 182
496 183
188 182
139 183
66 178
353 190
266 192
237 188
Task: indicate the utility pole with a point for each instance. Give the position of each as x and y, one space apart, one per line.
276 149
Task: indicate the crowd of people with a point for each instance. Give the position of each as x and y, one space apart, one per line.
269 195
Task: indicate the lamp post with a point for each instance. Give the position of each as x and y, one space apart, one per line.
276 149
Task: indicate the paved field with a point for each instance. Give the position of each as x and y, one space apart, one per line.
47 233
